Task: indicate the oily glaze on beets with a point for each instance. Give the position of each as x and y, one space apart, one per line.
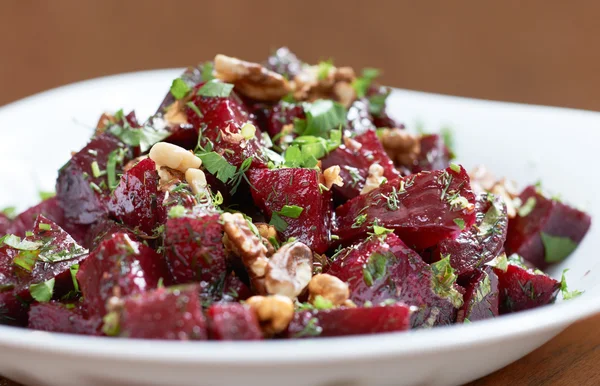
121 263
272 189
68 318
406 278
16 281
232 321
482 242
522 288
548 216
354 164
164 313
481 298
423 215
350 321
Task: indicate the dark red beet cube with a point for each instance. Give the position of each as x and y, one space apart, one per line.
481 298
49 255
233 321
522 288
221 123
545 231
350 321
434 154
68 318
82 196
422 209
354 164
283 113
194 250
102 230
137 201
234 289
481 243
165 313
382 268
119 267
272 189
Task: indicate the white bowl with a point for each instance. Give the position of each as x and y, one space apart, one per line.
526 143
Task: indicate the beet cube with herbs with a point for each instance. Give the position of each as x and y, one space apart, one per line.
434 154
69 318
119 267
280 115
233 321
481 298
383 268
165 313
545 231
422 209
295 203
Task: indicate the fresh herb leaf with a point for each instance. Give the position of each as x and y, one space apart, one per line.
312 328
460 222
362 83
42 292
323 69
376 267
322 116
44 227
377 103
491 219
10 212
111 170
291 211
500 262
179 89
455 168
381 231
73 270
26 260
207 71
144 137
111 326
564 290
215 88
22 245
46 195
177 211
321 303
527 207
557 248
359 220
484 288
443 279
279 223
217 165
192 106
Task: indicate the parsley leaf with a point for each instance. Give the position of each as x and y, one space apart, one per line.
460 222
500 262
362 83
111 170
321 303
376 267
279 223
215 88
312 328
217 165
443 279
377 103
527 207
566 294
322 116
144 137
207 71
22 245
179 89
381 231
42 292
291 211
557 248
73 270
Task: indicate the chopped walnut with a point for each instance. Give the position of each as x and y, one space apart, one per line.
337 84
105 121
331 175
374 179
274 312
169 178
320 263
352 144
240 240
330 288
267 232
483 181
175 113
251 79
289 270
402 147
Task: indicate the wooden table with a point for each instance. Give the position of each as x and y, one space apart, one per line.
572 358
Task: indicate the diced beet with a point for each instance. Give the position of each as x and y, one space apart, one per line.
284 62
137 201
481 297
378 270
359 119
350 321
51 258
547 232
221 123
481 243
272 189
423 209
165 313
194 250
377 96
67 318
102 230
283 113
233 321
82 196
354 164
180 134
434 154
522 288
119 267
234 289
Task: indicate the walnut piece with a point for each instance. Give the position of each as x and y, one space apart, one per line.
289 270
310 85
402 147
251 79
331 175
274 312
374 179
240 240
484 181
174 157
175 114
329 287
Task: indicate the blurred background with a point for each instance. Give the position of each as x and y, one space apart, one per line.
541 52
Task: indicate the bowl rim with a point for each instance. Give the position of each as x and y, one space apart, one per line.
445 338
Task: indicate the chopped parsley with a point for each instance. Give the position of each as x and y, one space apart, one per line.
26 260
73 270
322 116
192 106
291 211
376 267
111 326
22 245
179 89
217 165
557 248
484 288
377 103
566 294
443 279
324 68
44 227
500 262
455 167
362 83
492 218
111 169
321 303
527 207
207 71
215 88
359 220
381 231
177 211
279 223
42 292
460 223
144 137
448 138
312 328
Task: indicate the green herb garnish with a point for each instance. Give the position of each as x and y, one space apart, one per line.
177 211
291 211
359 220
42 292
312 328
322 116
215 88
443 279
279 223
323 69
500 262
376 267
460 222
527 207
44 227
73 270
207 71
217 165
362 83
179 89
557 248
321 303
111 326
566 294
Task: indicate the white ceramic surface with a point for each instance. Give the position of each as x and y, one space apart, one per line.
527 143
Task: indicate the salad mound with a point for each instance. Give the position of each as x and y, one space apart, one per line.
276 201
